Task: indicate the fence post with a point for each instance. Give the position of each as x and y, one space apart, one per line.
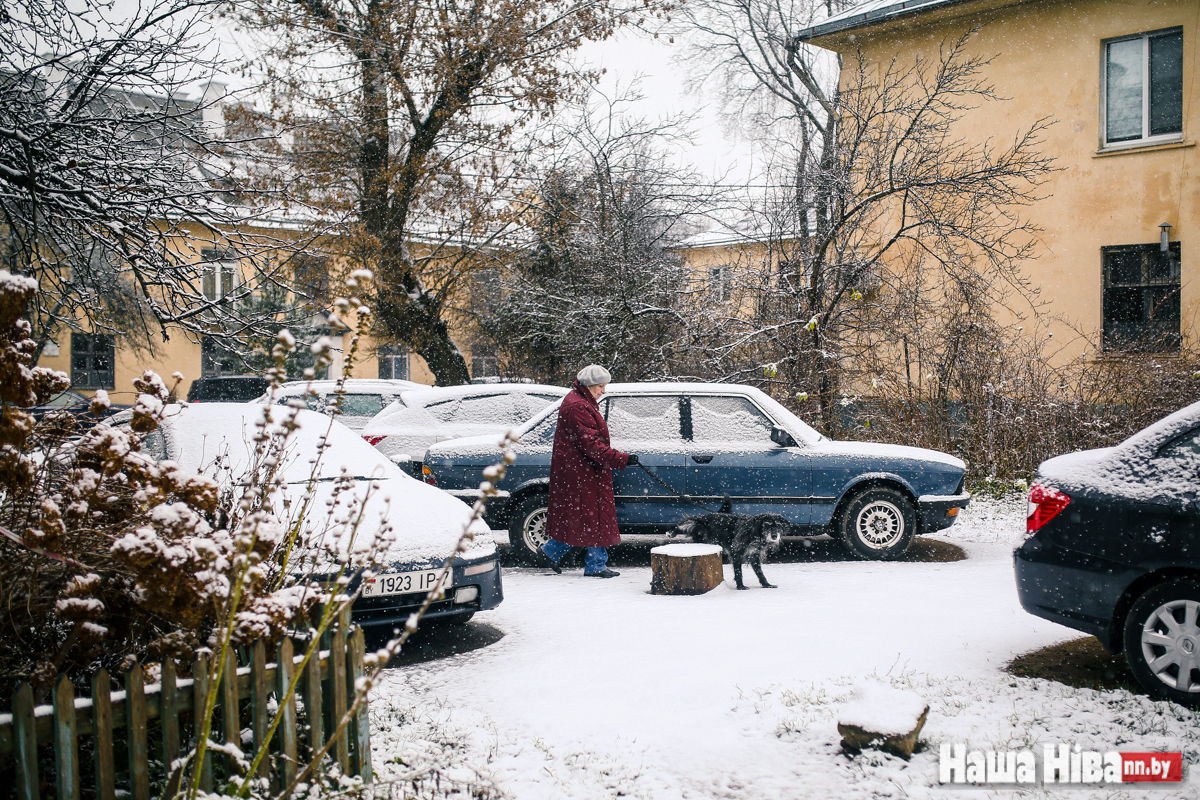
135 716
314 703
361 727
231 713
25 743
285 669
337 677
168 705
199 697
258 704
66 740
102 730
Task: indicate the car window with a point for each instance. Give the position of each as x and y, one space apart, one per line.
1185 449
443 410
541 433
491 409
723 420
642 418
358 405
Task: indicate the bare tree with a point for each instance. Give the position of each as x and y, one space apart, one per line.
106 168
879 206
406 116
598 280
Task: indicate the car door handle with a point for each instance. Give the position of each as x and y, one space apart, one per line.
702 459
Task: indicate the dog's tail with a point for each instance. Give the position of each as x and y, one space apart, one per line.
726 506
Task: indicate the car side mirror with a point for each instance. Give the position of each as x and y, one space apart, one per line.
781 437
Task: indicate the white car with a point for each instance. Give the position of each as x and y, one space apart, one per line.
216 439
404 430
364 397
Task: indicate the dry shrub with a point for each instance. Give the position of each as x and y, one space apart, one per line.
996 398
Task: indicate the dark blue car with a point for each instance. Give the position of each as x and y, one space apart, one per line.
711 440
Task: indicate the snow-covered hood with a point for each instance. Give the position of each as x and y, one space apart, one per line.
876 450
486 446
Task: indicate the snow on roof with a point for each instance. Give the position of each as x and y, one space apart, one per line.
424 396
353 386
869 13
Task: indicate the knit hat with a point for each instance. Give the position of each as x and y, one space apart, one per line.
593 375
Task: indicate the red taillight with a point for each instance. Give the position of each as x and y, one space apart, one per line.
374 440
427 473
1044 505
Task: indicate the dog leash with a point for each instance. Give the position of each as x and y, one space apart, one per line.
673 491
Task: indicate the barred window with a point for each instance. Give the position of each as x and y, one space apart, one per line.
93 360
1141 297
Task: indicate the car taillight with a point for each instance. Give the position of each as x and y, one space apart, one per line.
1044 505
428 473
374 440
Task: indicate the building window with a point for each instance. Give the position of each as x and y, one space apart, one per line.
1141 297
215 361
485 361
1143 87
92 361
393 363
219 273
718 283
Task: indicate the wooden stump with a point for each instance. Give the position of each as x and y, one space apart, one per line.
686 568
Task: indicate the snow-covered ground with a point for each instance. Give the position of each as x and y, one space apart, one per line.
600 690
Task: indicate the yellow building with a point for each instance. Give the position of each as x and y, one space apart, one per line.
1120 80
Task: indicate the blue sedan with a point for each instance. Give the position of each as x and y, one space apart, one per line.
706 441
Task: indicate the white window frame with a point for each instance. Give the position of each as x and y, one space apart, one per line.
1145 140
219 264
720 283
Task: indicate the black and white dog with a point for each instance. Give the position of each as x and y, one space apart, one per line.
744 538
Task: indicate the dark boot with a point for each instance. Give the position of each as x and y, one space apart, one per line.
546 562
608 573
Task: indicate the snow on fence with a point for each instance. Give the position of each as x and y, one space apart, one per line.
327 683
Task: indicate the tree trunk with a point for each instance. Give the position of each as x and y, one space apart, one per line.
686 568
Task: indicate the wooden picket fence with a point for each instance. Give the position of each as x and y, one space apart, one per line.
327 684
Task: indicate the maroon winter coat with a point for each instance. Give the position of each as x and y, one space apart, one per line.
582 510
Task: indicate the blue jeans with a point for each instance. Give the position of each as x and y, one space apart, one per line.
596 561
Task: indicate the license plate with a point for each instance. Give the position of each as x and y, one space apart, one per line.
389 583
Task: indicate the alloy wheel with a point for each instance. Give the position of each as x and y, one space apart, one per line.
880 525
1171 644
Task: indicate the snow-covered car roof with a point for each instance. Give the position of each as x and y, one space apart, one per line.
353 386
428 395
427 521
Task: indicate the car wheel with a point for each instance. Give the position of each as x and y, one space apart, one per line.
878 524
1162 641
527 529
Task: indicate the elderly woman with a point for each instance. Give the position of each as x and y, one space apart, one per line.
582 511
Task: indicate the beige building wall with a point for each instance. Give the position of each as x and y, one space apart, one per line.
1046 57
182 351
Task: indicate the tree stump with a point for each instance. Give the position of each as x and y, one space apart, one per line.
882 718
686 568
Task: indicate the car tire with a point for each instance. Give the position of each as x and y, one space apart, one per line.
1162 638
878 524
527 528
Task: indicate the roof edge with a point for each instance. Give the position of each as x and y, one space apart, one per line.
904 8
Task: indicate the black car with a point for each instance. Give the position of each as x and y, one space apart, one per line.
1113 550
228 389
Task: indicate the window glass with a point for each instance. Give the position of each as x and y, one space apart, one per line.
1142 297
645 418
443 409
93 359
1186 448
358 405
491 409
1166 84
1123 90
719 420
542 433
